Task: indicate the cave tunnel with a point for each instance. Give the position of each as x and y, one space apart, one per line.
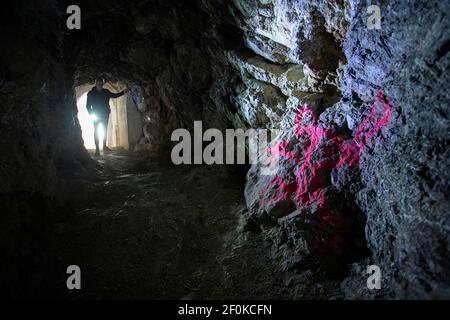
352 98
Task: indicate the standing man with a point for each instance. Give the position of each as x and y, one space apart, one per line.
98 105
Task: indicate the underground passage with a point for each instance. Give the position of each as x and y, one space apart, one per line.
225 149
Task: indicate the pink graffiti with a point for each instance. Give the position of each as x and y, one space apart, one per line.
351 151
280 150
310 187
329 150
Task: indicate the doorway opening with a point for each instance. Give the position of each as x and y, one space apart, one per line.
124 127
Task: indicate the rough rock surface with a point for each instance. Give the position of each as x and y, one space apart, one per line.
405 194
400 183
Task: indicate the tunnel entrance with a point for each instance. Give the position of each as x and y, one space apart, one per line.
124 128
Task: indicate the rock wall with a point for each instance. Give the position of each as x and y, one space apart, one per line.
405 185
40 140
363 149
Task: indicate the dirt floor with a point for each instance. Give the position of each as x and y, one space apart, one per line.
142 229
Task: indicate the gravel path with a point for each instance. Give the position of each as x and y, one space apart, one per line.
150 231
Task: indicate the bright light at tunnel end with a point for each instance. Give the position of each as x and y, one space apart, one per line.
86 121
101 135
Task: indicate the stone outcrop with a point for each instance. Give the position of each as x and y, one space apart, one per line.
395 182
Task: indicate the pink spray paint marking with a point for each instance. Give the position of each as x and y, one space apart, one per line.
312 179
309 186
372 124
280 150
